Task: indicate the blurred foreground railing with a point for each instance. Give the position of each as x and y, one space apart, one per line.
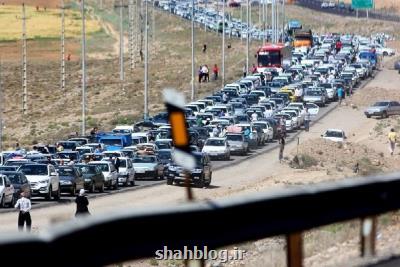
118 237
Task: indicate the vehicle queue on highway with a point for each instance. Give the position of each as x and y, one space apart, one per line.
247 114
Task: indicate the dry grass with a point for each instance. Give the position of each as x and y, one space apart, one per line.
41 24
52 114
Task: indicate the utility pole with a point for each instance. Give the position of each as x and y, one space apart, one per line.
283 21
193 89
241 22
263 21
223 44
277 21
273 20
1 111
146 63
131 34
248 36
24 70
121 7
62 46
83 43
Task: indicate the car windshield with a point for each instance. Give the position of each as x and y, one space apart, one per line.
104 167
68 145
380 104
333 134
164 154
65 171
199 160
144 160
8 168
234 137
34 169
214 142
162 145
88 169
313 93
15 178
112 142
261 125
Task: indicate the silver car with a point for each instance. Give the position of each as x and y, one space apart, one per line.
315 96
383 109
237 143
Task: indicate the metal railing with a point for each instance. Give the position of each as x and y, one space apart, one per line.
129 235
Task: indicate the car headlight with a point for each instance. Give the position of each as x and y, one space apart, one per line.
44 181
87 180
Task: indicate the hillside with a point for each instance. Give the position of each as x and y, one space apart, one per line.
52 114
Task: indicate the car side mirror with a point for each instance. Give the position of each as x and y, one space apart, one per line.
8 185
322 135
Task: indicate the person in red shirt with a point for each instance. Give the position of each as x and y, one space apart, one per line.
254 69
338 46
215 72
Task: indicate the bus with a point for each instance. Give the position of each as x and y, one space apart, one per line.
273 56
303 38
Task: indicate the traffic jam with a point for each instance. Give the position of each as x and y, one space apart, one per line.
271 101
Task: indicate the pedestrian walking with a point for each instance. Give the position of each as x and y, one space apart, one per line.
307 120
254 69
225 98
206 76
24 206
340 93
117 164
392 136
200 73
244 71
82 204
215 72
204 48
281 147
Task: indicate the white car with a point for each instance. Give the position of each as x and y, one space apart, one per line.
324 5
313 109
217 148
335 135
6 192
109 172
267 129
44 180
126 174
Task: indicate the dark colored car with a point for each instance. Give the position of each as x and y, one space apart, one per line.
274 125
92 176
200 176
165 157
71 180
397 65
19 181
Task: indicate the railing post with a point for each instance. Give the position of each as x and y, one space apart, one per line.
368 236
294 249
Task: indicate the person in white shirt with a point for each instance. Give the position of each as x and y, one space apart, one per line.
24 205
254 116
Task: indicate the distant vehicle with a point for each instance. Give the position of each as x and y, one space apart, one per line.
342 5
148 166
71 181
44 180
200 176
19 181
8 168
314 96
334 135
6 192
238 144
217 147
313 109
93 177
126 175
383 109
303 38
273 56
397 65
109 172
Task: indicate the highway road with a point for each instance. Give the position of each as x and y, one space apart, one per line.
216 165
